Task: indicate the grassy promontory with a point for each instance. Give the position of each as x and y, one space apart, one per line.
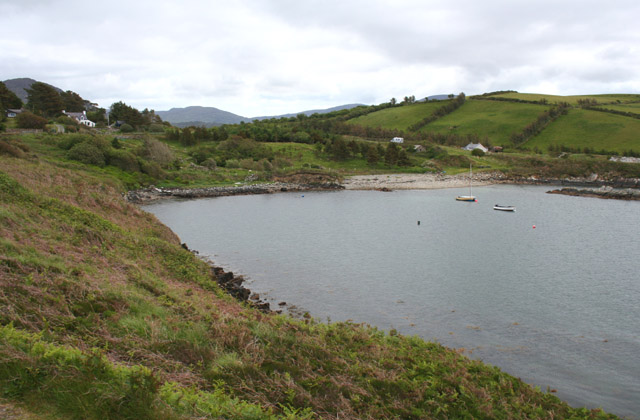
103 315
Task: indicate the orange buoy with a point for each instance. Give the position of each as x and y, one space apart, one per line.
534 226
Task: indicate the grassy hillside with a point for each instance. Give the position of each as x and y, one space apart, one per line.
571 99
103 315
399 117
591 129
628 107
493 120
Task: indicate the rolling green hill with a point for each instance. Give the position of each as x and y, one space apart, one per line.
399 117
633 107
495 121
487 119
571 99
595 130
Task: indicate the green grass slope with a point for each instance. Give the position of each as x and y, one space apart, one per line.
399 117
628 107
571 99
103 315
493 120
595 130
485 119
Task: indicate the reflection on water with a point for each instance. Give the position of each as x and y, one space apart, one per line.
556 305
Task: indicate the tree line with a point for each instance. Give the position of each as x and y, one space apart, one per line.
542 101
8 100
539 124
44 102
612 111
440 112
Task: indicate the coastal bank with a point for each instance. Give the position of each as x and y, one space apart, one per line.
592 186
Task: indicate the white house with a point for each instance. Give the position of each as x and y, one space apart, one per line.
472 146
81 117
12 113
397 140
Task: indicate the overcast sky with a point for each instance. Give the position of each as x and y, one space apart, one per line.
270 57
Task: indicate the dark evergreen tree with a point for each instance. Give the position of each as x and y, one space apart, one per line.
391 154
372 155
44 99
8 100
98 115
120 111
72 102
340 149
403 157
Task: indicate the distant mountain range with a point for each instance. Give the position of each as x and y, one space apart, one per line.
210 116
194 115
20 86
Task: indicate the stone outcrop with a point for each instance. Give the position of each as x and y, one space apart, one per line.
593 181
234 286
154 193
602 192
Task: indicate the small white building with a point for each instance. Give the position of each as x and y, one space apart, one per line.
397 140
12 113
81 117
472 146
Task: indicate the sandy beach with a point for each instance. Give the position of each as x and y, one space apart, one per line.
417 181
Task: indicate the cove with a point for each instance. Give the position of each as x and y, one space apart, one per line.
556 305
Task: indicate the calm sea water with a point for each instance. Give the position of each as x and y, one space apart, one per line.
557 305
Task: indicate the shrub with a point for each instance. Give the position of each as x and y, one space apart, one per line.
281 163
477 152
8 147
28 120
249 164
266 165
64 120
157 151
71 140
124 160
156 128
126 128
151 168
233 163
301 137
201 154
88 153
209 163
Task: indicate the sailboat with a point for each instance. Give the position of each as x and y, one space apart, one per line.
469 197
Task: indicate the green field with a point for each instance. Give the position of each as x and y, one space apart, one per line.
596 130
487 119
572 99
630 107
398 118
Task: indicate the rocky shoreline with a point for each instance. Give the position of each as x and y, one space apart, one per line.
233 285
390 182
602 192
146 195
622 189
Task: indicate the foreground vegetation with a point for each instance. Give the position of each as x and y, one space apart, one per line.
104 315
